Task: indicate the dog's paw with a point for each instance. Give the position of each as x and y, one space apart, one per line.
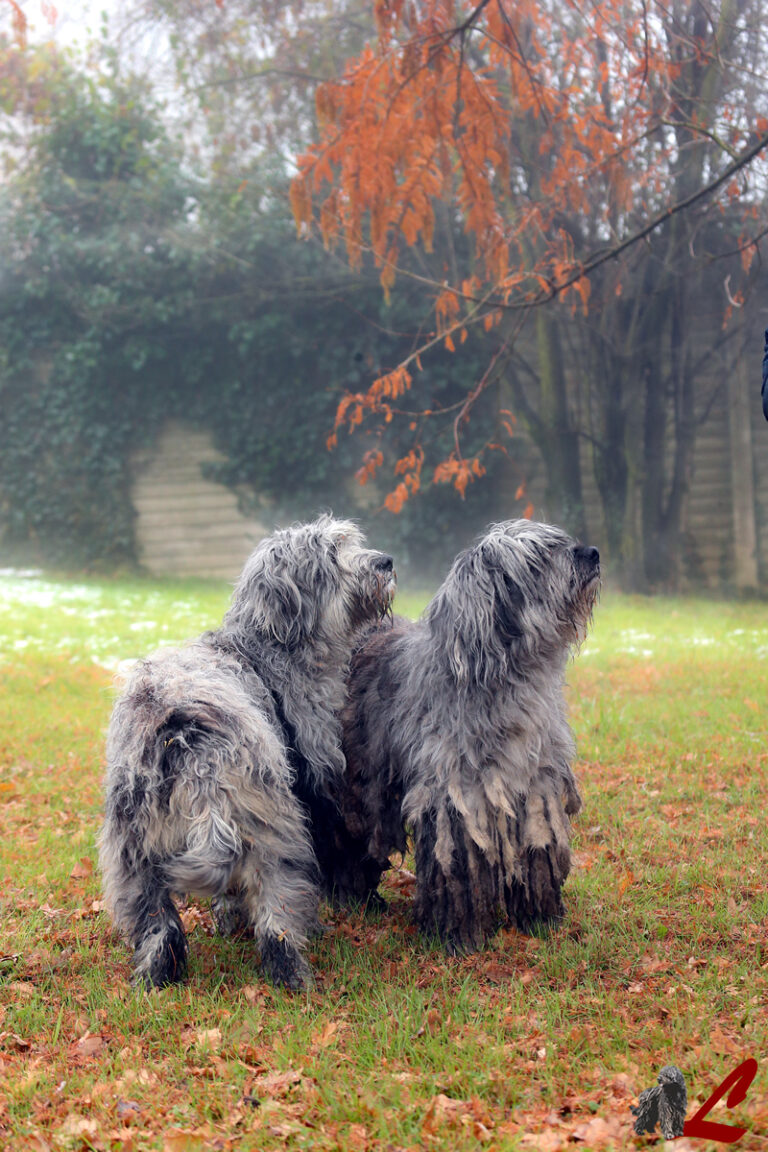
161 960
283 964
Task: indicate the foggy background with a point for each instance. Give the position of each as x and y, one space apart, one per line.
171 355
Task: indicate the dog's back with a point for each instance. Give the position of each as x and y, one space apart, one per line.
182 706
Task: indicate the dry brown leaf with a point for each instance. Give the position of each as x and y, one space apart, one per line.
82 869
621 1085
89 1045
276 1084
441 1110
12 1040
357 1137
723 1043
546 1141
499 973
34 1143
185 1140
80 1127
598 1132
326 1035
432 1022
253 994
122 1138
144 1076
208 1038
21 988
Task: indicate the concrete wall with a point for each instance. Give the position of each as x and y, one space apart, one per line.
187 525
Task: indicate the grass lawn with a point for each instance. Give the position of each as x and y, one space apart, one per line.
538 1043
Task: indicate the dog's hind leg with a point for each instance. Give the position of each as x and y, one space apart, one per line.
160 951
281 898
203 868
146 913
139 899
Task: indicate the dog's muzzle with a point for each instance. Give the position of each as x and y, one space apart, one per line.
386 580
588 564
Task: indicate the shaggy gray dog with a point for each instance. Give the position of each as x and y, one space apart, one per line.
456 730
208 743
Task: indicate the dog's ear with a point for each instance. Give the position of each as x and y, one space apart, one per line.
508 595
272 599
472 619
283 609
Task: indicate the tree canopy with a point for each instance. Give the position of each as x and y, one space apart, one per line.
561 135
544 216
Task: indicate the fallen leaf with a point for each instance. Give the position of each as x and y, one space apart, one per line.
21 988
547 1141
326 1035
12 1040
185 1140
89 1045
144 1076
442 1110
253 994
275 1084
627 880
598 1132
208 1038
357 1137
78 1126
499 973
432 1023
122 1138
36 1143
723 1043
82 869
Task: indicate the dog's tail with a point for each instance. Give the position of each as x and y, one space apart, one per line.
197 774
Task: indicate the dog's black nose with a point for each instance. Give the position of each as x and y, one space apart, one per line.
384 563
589 555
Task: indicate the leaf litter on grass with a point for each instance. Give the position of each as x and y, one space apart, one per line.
537 1042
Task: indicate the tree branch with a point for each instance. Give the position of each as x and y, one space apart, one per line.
745 158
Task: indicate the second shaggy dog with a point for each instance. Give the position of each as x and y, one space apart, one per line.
456 730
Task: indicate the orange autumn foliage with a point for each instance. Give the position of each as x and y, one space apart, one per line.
18 23
521 114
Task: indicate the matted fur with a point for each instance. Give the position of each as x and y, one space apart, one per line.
212 747
456 730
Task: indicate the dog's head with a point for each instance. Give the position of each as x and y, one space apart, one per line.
311 583
523 594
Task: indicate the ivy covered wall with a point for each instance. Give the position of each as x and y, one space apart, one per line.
133 292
